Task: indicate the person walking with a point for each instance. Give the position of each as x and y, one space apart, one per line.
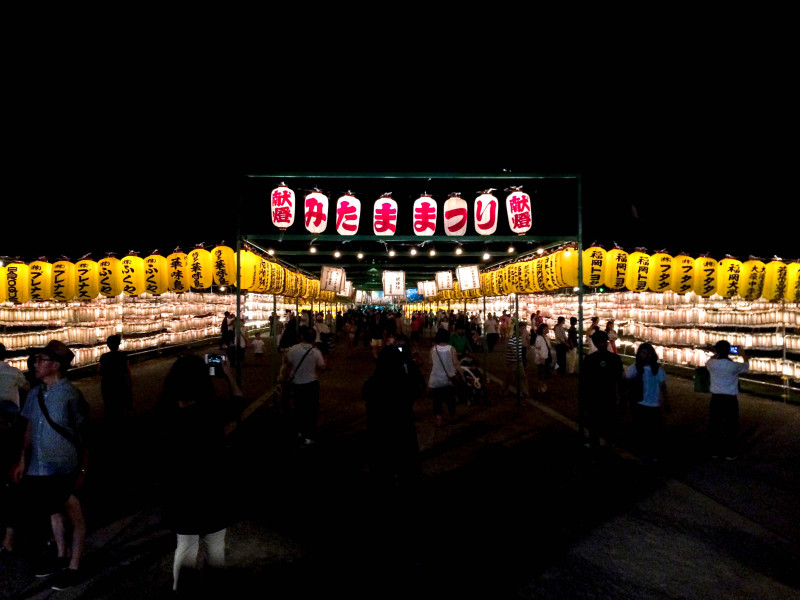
562 345
13 384
650 401
612 336
56 413
543 357
305 363
196 472
442 381
572 343
490 326
116 381
602 384
593 328
724 407
516 374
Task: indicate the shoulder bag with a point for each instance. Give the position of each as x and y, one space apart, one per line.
83 451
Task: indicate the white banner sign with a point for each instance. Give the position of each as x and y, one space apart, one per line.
444 280
394 283
331 279
469 278
429 289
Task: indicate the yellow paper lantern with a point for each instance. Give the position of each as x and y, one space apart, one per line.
17 282
132 273
63 278
3 293
261 284
178 272
729 271
41 274
682 274
659 276
593 266
751 279
568 265
200 267
156 280
614 269
637 271
705 276
553 278
223 260
110 276
497 287
775 281
793 282
87 279
248 273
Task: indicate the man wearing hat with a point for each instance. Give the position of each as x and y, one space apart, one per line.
602 371
54 466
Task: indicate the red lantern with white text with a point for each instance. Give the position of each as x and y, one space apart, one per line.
456 215
518 208
282 206
348 214
425 209
486 206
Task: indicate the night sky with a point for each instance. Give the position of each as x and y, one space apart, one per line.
167 172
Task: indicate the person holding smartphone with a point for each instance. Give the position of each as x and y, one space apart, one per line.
724 407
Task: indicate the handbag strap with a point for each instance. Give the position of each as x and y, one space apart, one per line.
441 361
300 363
63 431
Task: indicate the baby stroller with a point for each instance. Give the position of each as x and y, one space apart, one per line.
472 391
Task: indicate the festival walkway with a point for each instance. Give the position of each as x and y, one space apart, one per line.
512 504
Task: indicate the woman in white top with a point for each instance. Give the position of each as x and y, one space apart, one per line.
649 401
543 356
612 336
444 365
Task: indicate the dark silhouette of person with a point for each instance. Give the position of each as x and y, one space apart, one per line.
603 376
116 382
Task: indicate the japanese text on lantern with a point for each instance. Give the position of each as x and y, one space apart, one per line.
347 214
282 207
385 217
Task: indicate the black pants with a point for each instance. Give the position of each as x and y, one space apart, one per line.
723 424
306 408
561 358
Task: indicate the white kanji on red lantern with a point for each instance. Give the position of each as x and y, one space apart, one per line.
456 215
486 213
315 212
348 214
384 216
425 208
282 205
518 206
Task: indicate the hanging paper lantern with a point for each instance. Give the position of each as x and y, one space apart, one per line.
17 282
200 267
178 272
518 208
3 292
751 279
526 277
775 274
541 281
513 278
682 274
456 215
156 281
553 272
348 214
614 268
277 278
567 264
793 282
109 276
384 216
424 221
248 273
223 265
132 273
63 280
87 279
282 206
261 281
705 276
41 274
497 282
659 276
486 206
315 212
637 271
593 266
729 272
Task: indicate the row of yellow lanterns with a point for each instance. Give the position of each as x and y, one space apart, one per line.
638 271
86 279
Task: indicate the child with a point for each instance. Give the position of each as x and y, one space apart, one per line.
258 348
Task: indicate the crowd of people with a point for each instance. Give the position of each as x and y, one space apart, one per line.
42 414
